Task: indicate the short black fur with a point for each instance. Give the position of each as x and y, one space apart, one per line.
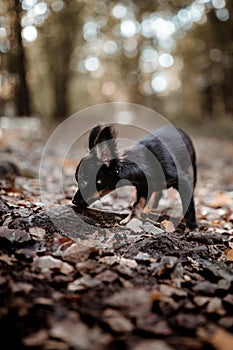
164 159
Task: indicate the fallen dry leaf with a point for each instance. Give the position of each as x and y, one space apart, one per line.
78 252
152 345
168 226
37 233
11 235
78 335
136 302
83 283
47 263
36 339
200 300
10 260
229 254
22 287
129 287
215 306
220 200
117 321
221 340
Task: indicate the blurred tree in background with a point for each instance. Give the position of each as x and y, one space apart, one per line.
175 56
14 94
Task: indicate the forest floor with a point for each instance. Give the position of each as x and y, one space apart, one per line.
79 280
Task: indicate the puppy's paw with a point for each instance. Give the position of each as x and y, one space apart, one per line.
126 220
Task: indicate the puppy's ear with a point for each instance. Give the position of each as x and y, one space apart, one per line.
93 137
106 149
106 133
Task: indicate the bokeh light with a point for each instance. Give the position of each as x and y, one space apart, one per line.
152 41
223 15
139 44
159 83
218 4
90 31
91 63
40 8
3 33
163 28
110 47
108 88
27 4
166 60
57 5
148 60
128 28
29 33
119 11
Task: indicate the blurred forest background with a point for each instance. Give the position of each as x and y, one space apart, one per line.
174 56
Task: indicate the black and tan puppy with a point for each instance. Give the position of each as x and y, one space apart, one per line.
164 159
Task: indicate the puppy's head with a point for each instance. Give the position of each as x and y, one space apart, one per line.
97 173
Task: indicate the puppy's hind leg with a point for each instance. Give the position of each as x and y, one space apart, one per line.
186 194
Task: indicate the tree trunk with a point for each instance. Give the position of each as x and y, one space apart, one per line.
59 48
22 96
17 64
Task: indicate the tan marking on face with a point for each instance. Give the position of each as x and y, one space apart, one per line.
98 195
104 192
94 196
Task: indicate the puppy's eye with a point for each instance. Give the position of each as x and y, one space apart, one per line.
99 182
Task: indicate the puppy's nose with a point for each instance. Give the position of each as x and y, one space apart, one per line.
79 201
74 201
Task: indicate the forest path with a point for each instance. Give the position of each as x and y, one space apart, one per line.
144 286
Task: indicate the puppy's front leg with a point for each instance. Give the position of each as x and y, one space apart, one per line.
154 200
137 208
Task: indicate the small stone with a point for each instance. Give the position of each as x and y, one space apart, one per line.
37 233
152 345
200 301
135 225
36 339
117 322
14 236
83 283
48 263
215 306
152 229
142 257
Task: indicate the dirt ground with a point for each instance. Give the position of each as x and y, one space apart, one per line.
74 279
